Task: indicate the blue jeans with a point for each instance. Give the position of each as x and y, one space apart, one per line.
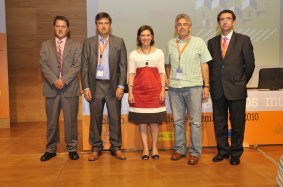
183 101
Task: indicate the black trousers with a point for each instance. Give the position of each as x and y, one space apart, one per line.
237 111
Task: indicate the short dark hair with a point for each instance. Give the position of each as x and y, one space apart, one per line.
101 15
63 18
226 11
143 28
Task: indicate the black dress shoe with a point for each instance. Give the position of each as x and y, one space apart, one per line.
145 157
219 157
47 156
235 161
74 155
155 157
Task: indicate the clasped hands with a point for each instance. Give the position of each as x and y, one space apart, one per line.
59 84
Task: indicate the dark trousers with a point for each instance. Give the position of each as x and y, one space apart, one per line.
237 110
104 96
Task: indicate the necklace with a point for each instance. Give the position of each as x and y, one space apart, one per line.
144 52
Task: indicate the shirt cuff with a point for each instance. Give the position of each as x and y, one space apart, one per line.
120 86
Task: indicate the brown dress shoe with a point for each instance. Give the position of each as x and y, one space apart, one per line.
119 155
94 155
177 156
193 160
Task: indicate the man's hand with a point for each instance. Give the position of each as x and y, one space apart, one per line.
87 94
59 84
162 96
205 94
167 82
119 93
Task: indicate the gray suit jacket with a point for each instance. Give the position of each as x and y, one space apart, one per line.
71 64
117 63
229 75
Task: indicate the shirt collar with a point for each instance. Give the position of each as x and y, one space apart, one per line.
184 41
63 40
229 36
101 39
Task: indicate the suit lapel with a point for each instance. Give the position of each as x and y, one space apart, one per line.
218 44
66 49
54 56
66 66
111 54
54 48
230 46
95 48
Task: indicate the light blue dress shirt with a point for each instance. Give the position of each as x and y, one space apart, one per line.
105 59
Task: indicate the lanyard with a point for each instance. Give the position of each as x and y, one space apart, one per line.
101 50
183 49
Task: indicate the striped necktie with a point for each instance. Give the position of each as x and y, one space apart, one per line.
59 51
224 46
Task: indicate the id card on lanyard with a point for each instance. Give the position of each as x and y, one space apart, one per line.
179 73
179 70
100 67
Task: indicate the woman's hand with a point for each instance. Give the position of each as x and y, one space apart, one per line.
131 98
162 95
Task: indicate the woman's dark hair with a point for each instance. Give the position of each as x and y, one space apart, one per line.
143 28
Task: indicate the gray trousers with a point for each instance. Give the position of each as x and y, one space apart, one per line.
103 95
69 105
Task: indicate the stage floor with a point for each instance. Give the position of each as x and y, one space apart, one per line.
24 143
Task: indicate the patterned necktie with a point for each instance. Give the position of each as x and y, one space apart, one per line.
59 47
224 46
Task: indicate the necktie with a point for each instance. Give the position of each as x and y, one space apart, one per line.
224 46
59 47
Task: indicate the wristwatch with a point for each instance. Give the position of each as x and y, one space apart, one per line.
205 86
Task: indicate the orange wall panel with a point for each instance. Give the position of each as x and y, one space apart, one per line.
4 88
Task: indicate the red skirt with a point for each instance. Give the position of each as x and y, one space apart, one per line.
146 90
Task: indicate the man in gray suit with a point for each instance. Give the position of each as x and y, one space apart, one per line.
104 72
60 62
230 70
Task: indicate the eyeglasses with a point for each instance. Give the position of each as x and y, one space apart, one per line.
225 19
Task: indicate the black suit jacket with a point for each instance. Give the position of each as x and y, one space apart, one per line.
229 75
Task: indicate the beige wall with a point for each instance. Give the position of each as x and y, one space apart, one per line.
29 22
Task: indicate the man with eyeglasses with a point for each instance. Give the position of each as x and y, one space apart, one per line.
188 82
230 70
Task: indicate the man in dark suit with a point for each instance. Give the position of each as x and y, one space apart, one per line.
230 70
60 62
104 72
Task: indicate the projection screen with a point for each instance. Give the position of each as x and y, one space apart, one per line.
259 19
